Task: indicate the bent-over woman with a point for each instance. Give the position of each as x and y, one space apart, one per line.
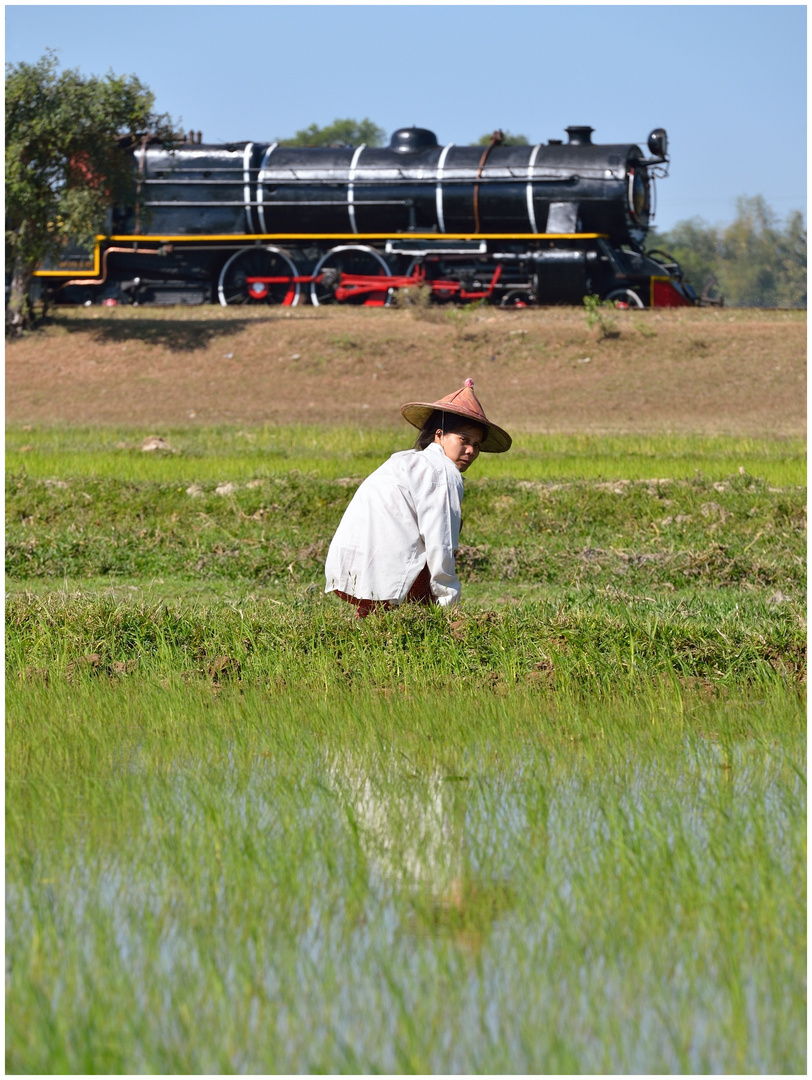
399 535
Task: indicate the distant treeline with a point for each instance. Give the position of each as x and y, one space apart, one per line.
755 261
349 132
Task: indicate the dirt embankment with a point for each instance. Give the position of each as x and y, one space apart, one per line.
703 371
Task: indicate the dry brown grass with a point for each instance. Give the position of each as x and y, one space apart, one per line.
701 371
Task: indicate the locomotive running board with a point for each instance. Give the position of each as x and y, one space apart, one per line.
239 239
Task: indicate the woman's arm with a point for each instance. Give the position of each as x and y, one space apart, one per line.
438 504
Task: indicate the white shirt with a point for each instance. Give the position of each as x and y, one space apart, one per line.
404 516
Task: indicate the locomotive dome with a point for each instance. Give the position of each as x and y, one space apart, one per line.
580 134
408 140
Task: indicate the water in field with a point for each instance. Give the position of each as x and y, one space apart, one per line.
431 885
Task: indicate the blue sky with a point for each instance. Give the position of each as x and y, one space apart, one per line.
727 82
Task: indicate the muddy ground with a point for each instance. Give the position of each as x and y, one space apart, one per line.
702 371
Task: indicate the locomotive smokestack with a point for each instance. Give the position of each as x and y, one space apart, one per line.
579 135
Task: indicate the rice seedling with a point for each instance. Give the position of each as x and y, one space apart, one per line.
596 643
560 828
656 533
445 882
210 455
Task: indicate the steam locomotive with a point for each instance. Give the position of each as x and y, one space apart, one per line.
260 223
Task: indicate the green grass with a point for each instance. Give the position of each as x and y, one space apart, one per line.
740 531
461 882
597 643
215 455
560 828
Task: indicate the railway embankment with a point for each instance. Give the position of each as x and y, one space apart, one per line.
706 371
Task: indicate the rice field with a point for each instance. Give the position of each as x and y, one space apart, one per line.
229 454
560 828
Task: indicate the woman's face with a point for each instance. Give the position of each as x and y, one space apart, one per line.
461 446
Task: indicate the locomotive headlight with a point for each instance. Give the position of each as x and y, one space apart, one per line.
639 195
658 143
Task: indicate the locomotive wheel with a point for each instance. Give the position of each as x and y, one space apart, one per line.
625 296
434 272
516 298
232 288
350 259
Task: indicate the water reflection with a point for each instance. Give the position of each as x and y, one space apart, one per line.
411 830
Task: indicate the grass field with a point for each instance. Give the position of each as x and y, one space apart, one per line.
226 454
560 828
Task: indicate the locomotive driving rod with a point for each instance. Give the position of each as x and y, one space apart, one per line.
355 284
348 284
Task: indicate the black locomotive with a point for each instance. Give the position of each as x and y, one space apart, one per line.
260 223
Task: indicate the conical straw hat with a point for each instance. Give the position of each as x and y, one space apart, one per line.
463 402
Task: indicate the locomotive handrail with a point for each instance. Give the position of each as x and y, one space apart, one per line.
456 175
279 202
457 172
375 179
386 172
338 183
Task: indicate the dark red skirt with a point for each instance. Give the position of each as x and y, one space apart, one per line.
419 593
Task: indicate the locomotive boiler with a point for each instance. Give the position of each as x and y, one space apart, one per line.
260 223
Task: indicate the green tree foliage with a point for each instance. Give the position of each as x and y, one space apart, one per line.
339 133
508 139
756 261
64 162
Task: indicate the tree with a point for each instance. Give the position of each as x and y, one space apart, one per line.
339 133
792 289
64 162
758 256
508 139
697 247
754 261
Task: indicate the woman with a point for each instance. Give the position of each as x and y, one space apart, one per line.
399 535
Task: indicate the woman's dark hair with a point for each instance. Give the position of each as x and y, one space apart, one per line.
448 423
